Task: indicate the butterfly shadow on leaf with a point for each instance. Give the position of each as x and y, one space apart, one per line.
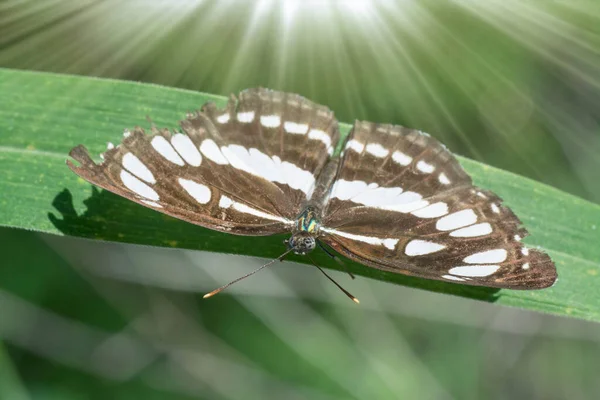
112 218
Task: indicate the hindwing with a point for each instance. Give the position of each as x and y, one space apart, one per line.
401 202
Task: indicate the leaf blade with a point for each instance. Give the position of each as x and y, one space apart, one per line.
45 115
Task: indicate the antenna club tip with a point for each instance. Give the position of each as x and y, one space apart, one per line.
354 299
207 295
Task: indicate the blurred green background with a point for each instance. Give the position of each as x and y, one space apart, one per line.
513 84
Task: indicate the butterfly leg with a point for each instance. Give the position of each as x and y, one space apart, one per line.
347 293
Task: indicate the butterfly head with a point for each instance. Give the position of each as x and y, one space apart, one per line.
302 242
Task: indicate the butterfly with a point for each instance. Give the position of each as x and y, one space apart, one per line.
394 199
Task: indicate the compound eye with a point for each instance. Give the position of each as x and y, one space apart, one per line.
289 242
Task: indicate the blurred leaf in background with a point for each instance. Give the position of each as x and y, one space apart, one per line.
513 84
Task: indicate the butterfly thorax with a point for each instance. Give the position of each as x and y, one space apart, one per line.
303 239
308 223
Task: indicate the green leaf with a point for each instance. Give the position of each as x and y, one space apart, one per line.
42 116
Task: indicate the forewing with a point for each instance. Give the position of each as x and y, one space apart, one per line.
244 169
401 202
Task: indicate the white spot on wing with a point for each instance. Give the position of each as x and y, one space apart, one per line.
525 251
387 242
366 194
265 166
487 257
238 157
138 187
187 149
226 202
355 145
401 158
443 179
201 193
126 133
371 195
152 203
245 117
456 220
453 278
473 230
377 150
295 128
272 169
136 167
418 247
317 134
474 270
407 202
249 210
345 190
432 211
270 121
525 266
110 146
408 198
211 151
297 178
223 118
390 243
375 196
495 208
164 148
425 167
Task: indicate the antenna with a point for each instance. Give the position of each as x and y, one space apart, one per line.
280 258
